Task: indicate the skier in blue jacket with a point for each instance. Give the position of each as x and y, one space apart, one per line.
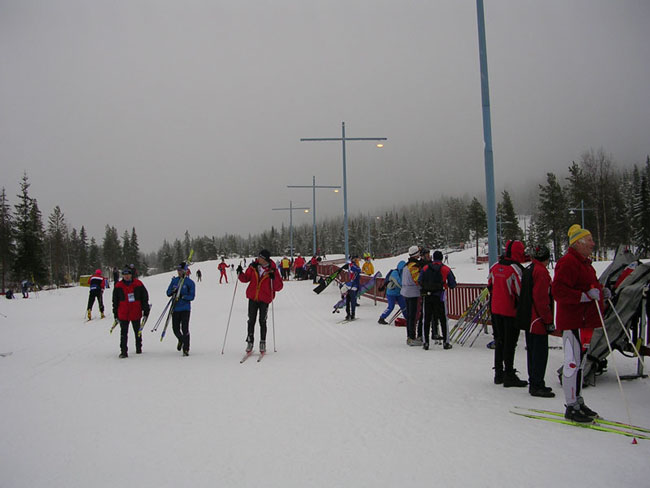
354 274
393 286
182 306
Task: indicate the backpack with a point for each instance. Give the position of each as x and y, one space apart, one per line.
392 284
525 300
431 278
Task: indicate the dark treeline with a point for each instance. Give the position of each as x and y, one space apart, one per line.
52 253
615 204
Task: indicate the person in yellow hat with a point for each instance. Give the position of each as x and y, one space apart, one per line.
578 295
368 268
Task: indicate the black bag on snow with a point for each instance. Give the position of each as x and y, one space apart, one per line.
431 278
525 300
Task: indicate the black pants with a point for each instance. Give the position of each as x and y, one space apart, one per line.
100 299
181 328
253 309
411 316
434 314
124 335
506 335
537 349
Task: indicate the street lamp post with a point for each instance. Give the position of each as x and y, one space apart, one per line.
291 208
343 139
313 187
572 211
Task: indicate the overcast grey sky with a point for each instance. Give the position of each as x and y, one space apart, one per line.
173 115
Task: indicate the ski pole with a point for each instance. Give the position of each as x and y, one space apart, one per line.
230 314
273 316
629 337
609 346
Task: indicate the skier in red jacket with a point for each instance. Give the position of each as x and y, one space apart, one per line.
504 283
130 303
579 295
222 267
264 281
541 324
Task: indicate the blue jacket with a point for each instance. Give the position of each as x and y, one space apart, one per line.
355 277
394 280
186 296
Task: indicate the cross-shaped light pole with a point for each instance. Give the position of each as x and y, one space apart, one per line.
343 139
291 208
313 206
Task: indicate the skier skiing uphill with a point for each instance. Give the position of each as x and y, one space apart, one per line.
96 283
263 282
182 306
130 303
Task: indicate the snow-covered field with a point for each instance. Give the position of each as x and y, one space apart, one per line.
336 406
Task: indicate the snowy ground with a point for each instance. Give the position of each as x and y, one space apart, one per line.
335 406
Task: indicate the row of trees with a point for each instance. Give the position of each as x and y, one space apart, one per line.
55 254
614 203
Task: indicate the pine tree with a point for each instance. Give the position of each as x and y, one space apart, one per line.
94 258
507 219
57 236
7 247
82 252
112 249
126 248
476 221
29 262
552 216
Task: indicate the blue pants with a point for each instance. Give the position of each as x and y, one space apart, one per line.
392 300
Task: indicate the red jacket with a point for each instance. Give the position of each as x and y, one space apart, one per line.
222 267
542 310
299 263
504 281
130 300
574 275
259 288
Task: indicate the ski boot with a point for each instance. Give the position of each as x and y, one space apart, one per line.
88 314
262 347
382 321
103 316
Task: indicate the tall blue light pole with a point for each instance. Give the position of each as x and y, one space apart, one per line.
343 139
291 208
487 136
313 187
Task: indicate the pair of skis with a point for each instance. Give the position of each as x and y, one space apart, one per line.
249 354
324 282
600 424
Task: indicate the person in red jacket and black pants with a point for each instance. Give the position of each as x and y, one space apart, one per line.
263 282
578 295
130 303
504 283
541 324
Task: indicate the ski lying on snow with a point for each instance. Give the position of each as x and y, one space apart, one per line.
262 354
598 420
246 356
345 321
593 426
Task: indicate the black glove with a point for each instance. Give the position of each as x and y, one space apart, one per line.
240 270
550 327
382 287
271 274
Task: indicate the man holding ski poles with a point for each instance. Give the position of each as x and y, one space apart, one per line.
263 282
578 295
182 289
130 304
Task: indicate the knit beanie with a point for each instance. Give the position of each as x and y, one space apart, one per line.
576 233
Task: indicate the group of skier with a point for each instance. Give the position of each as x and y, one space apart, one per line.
580 300
419 286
